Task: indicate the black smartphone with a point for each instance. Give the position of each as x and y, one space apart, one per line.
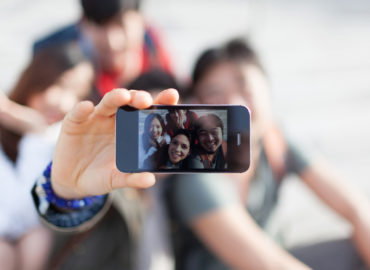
183 139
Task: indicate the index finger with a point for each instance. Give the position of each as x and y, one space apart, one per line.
140 99
112 101
167 97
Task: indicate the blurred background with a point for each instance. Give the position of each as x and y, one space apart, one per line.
317 57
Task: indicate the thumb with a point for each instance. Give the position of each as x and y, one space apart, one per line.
134 180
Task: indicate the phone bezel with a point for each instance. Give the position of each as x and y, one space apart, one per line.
238 122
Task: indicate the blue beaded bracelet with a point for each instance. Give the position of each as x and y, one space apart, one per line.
72 204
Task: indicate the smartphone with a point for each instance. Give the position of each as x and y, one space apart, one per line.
183 139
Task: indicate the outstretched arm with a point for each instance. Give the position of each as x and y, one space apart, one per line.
237 240
212 209
84 158
345 200
19 118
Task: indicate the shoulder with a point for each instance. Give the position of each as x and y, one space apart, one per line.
65 34
166 139
284 154
299 156
198 194
194 160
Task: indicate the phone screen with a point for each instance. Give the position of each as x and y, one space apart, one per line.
183 138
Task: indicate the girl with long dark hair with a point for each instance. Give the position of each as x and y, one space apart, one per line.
174 155
53 82
153 138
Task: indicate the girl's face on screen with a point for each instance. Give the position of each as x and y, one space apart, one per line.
155 129
179 148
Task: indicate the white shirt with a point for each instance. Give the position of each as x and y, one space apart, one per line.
17 212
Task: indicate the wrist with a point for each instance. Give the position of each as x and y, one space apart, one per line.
66 192
68 220
61 201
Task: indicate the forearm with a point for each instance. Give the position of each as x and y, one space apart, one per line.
329 186
345 200
361 235
237 240
21 119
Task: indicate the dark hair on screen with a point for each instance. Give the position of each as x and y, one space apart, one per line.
186 133
236 50
102 11
207 119
44 69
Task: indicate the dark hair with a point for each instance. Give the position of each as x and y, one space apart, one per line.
148 121
236 50
45 69
102 11
173 110
152 80
207 119
184 132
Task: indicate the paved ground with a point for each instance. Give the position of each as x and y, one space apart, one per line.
317 55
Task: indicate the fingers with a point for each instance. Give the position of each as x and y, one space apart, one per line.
119 97
140 99
137 99
167 97
134 180
140 180
112 101
80 112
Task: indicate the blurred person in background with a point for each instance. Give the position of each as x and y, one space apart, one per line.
115 36
212 208
219 220
53 82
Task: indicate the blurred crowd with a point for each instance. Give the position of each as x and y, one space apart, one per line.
185 221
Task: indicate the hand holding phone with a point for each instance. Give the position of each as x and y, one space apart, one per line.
209 139
84 157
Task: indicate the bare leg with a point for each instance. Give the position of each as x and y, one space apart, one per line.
34 248
7 255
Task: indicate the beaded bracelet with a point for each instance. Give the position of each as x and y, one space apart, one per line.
71 204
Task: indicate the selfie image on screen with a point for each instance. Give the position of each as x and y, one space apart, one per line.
182 139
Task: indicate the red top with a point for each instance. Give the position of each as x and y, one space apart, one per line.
153 56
